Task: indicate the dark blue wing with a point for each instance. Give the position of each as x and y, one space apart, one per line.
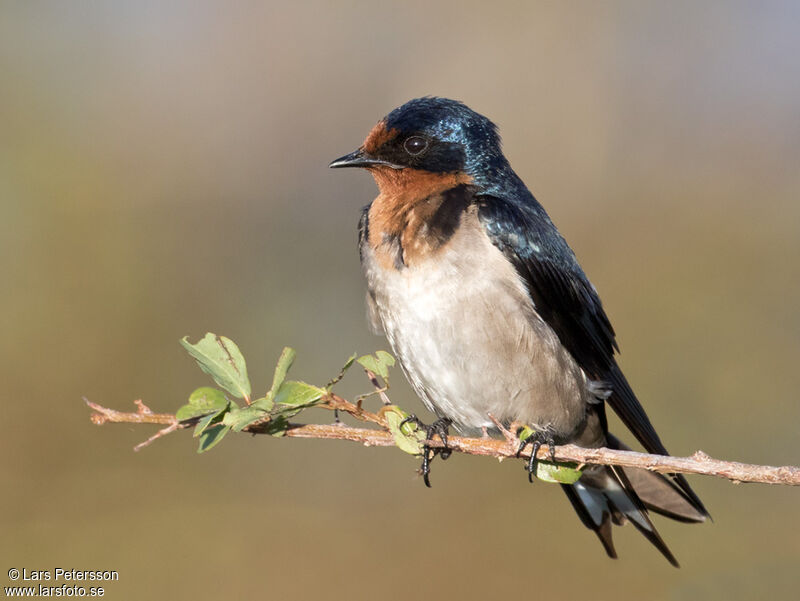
568 303
565 299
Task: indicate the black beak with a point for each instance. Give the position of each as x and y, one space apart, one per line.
359 158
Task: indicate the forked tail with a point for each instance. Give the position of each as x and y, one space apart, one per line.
608 495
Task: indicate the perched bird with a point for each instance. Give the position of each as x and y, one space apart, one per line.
489 313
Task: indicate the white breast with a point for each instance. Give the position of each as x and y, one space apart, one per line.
464 328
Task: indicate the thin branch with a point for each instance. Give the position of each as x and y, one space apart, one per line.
162 432
698 463
380 390
143 415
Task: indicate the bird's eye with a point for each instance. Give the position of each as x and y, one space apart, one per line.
415 145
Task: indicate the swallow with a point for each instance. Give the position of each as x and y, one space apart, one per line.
489 313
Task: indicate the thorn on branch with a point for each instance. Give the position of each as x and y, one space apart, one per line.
142 408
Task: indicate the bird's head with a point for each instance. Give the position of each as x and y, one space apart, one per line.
436 136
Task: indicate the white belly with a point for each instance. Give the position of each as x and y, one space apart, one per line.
466 333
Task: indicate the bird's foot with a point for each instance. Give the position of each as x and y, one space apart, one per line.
536 439
440 427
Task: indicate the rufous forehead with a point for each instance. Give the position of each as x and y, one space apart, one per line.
379 136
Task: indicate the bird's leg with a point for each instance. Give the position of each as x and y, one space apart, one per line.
440 427
536 439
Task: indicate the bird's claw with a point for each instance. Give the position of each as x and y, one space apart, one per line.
536 439
440 427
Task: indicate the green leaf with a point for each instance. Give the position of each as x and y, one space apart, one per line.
378 364
560 473
525 433
281 369
204 423
264 403
220 358
547 471
277 426
298 394
293 397
409 437
202 401
285 412
385 357
342 371
212 436
349 362
240 419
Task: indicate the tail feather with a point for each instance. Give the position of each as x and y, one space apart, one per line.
606 495
660 493
601 526
628 502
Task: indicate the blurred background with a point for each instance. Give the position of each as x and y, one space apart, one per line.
163 172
